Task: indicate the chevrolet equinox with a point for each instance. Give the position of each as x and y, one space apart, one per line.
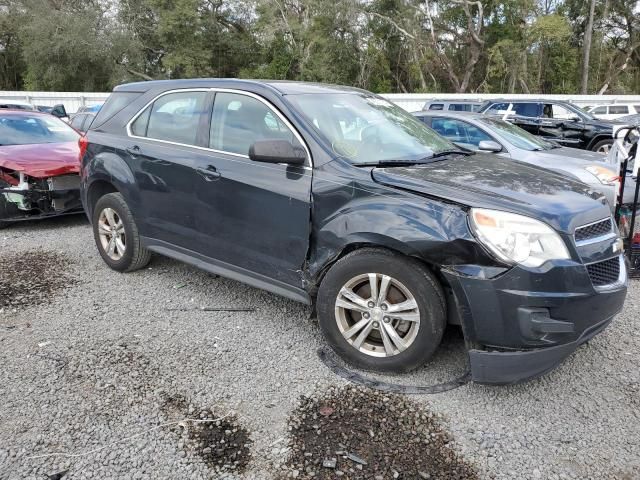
337 198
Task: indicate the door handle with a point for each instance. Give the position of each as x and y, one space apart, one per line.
209 173
133 151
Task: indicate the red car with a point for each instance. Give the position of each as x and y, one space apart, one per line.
39 166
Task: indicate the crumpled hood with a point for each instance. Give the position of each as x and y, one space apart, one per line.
487 181
41 160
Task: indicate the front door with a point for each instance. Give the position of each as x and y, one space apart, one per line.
560 124
253 215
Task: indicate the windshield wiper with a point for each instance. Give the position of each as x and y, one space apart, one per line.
392 163
450 152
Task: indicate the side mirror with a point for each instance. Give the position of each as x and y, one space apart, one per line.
277 151
489 146
574 118
59 111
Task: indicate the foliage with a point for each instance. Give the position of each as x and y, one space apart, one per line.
381 45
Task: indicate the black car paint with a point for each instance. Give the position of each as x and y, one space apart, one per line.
281 227
584 132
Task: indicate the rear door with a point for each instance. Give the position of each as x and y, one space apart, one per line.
527 116
253 215
165 146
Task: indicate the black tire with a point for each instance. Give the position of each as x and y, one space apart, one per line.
135 255
421 283
602 143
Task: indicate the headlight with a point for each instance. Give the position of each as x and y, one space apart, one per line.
516 238
605 175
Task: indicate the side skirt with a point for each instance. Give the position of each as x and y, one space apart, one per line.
223 269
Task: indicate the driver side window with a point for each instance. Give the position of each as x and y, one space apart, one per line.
239 120
460 132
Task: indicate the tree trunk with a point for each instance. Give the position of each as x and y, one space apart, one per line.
586 52
614 73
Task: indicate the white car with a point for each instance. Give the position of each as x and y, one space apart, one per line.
613 111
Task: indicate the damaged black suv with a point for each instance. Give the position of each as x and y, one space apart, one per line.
335 197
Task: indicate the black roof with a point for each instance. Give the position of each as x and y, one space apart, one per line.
283 87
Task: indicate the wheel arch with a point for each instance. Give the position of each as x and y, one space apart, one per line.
318 270
598 138
97 189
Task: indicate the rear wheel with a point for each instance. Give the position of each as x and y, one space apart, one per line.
603 146
116 235
381 311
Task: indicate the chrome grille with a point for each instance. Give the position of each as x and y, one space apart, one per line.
594 230
604 273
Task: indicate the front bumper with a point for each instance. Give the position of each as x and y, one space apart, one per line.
522 323
43 204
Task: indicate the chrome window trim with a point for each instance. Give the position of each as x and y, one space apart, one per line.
268 104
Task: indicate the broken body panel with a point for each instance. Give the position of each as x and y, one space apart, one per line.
39 180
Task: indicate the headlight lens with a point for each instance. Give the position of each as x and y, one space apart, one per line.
605 175
516 238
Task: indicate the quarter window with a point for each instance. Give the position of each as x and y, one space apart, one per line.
77 122
174 117
239 120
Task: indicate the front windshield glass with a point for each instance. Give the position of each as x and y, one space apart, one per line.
367 129
26 130
516 135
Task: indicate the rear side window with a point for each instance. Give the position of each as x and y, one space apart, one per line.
436 106
526 109
239 120
618 109
637 107
174 117
116 102
460 107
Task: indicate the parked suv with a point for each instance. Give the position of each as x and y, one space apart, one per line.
556 120
452 105
335 197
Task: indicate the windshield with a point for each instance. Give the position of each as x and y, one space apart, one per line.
25 130
516 135
367 129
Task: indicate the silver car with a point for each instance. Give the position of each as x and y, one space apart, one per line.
475 131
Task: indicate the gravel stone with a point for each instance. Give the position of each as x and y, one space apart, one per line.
93 399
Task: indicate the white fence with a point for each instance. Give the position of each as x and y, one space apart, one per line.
409 101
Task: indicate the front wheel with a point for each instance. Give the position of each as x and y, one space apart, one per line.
116 235
381 311
603 146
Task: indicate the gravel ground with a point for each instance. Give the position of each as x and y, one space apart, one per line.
115 376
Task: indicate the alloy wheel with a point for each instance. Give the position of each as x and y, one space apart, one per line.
377 315
111 233
604 149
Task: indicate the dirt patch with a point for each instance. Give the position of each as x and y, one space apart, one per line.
221 443
32 278
356 433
